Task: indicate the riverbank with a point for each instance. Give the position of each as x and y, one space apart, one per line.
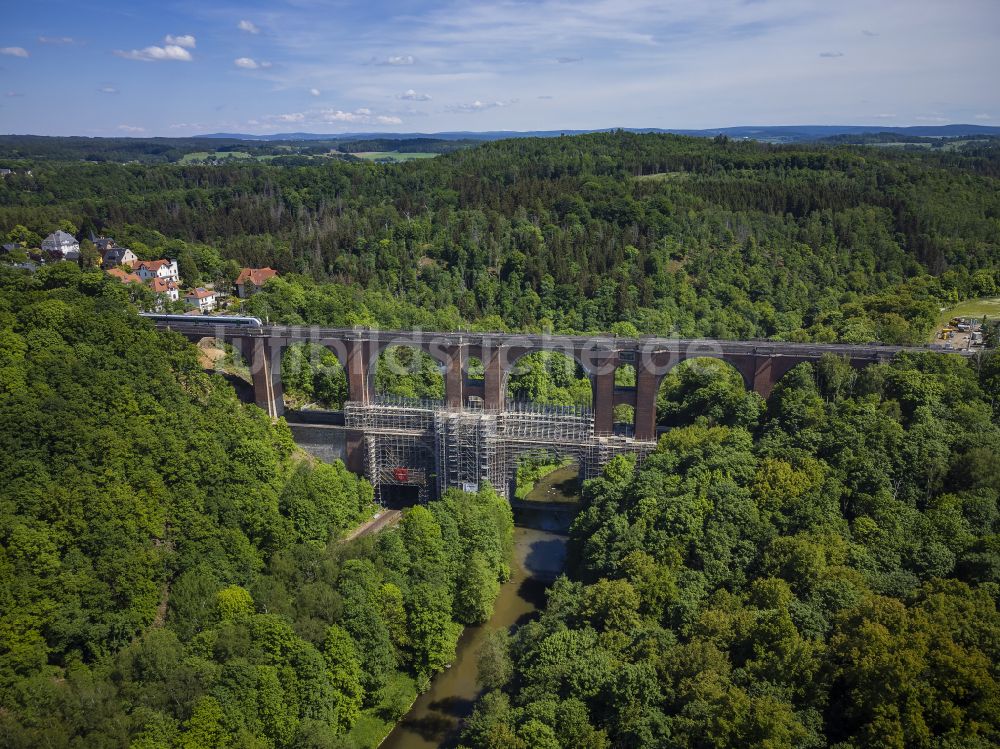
433 721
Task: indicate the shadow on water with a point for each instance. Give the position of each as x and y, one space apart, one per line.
545 559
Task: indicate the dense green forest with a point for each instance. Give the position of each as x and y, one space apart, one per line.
667 233
818 569
170 569
822 571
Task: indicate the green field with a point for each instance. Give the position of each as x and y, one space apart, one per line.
393 155
198 156
978 308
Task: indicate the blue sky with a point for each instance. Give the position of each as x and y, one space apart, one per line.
186 67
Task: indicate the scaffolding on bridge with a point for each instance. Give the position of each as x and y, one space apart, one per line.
433 447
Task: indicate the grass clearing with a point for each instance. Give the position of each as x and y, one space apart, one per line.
661 176
394 156
979 308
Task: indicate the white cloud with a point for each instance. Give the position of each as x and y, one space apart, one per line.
56 40
184 40
360 116
480 106
14 51
885 116
247 63
983 116
411 95
108 90
398 60
170 52
314 92
567 60
13 94
931 118
831 54
131 128
248 26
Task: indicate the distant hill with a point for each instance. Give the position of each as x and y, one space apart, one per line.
774 133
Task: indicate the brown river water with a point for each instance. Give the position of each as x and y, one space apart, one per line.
434 719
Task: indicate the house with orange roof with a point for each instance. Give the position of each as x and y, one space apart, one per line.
201 299
123 275
166 287
251 280
166 269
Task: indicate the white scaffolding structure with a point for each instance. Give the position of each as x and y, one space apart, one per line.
432 447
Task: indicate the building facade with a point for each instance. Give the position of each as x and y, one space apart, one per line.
165 269
62 244
200 299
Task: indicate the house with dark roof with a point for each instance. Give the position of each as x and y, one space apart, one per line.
251 280
116 256
62 245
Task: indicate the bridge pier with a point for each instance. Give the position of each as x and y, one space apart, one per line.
603 389
263 355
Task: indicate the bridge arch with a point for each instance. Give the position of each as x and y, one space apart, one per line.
405 369
714 386
562 367
314 375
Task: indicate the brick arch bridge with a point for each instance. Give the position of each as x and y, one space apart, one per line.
760 363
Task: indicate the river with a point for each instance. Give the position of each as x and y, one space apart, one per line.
539 556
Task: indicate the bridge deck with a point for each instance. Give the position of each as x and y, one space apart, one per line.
599 341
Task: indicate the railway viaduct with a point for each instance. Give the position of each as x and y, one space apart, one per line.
760 363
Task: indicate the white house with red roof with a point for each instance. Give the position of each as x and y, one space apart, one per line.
201 299
165 269
167 287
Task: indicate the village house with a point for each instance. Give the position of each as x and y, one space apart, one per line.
62 244
166 269
116 256
103 244
166 287
201 299
250 280
124 276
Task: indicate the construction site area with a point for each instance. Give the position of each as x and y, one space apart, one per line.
414 450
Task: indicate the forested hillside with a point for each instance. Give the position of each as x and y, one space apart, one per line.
824 572
170 570
671 234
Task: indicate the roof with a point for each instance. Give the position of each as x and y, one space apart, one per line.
116 253
153 265
62 237
162 285
256 276
199 293
123 276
